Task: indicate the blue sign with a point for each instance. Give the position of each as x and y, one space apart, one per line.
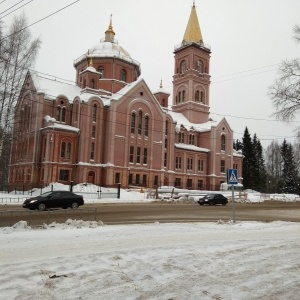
232 176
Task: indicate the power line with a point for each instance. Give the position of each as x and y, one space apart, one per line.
12 7
16 9
40 20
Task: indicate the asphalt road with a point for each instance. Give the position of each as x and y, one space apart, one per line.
156 212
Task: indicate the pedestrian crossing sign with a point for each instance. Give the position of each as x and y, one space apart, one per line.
232 176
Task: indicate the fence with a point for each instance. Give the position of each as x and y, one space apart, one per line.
33 218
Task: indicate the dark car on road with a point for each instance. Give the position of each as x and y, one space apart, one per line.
213 199
54 199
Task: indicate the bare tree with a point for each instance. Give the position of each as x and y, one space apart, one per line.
273 162
285 91
18 53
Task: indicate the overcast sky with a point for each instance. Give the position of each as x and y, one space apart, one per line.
248 39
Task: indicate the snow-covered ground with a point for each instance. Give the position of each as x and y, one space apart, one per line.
86 260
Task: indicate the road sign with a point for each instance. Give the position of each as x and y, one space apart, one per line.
232 176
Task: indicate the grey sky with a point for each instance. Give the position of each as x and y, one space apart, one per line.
248 39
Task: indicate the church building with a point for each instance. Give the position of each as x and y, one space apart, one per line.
110 128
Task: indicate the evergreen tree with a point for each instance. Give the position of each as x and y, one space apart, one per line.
237 145
248 161
289 170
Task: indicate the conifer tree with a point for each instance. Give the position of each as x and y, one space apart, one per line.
248 161
289 169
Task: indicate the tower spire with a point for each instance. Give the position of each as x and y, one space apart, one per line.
109 33
192 31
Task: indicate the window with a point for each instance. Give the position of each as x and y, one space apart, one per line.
68 153
117 177
189 183
223 142
63 114
140 122
65 150
137 179
131 154
180 137
145 156
178 162
144 180
92 156
132 130
130 179
101 71
197 97
166 143
92 84
235 166
166 127
200 165
146 125
182 67
94 113
93 131
190 164
183 96
200 184
58 111
64 175
165 160
138 155
155 180
201 97
191 139
123 75
200 66
222 166
178 182
179 97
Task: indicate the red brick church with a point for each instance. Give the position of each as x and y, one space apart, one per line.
110 128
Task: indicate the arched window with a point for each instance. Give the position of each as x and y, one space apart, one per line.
182 67
58 110
101 71
94 113
65 150
92 84
146 125
123 75
140 122
167 127
223 142
200 66
197 96
201 97
179 97
132 130
183 96
63 114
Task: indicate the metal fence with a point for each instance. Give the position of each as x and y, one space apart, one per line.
11 217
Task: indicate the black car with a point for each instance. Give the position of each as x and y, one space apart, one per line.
213 199
54 199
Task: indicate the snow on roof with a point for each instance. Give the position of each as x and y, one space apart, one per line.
182 121
126 89
53 88
63 127
191 147
238 153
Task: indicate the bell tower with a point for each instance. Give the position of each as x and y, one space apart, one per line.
191 79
